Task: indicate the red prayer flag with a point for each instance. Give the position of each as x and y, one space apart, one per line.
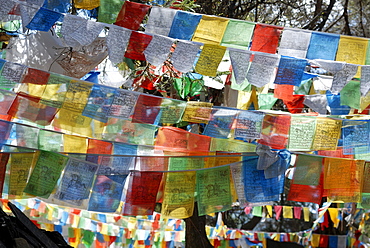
275 131
284 92
146 109
296 104
131 15
137 44
35 76
266 38
142 194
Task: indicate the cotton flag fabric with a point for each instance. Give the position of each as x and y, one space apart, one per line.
294 43
351 95
221 122
158 50
184 25
308 170
327 134
317 103
87 4
117 41
262 69
238 34
365 80
137 44
248 125
184 55
266 38
335 106
358 47
108 10
240 64
160 20
290 71
43 20
275 131
213 188
323 46
131 15
209 59
210 30
342 77
6 7
178 199
301 133
78 31
142 194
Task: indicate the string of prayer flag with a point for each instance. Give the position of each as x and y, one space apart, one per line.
44 20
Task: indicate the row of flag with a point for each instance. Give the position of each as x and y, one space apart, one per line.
97 183
80 226
165 26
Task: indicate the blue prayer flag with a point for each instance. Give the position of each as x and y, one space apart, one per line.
335 107
290 71
184 25
61 6
44 20
323 46
257 187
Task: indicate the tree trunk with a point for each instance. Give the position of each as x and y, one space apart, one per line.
195 231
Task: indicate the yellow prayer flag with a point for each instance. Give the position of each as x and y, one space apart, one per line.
269 211
288 212
210 30
333 212
352 50
209 59
327 134
306 214
75 144
315 240
178 196
87 4
198 112
73 122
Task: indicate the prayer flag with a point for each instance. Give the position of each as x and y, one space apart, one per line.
158 50
213 188
137 44
350 95
209 59
21 165
357 46
262 69
323 46
106 193
117 40
184 25
44 20
6 7
290 71
238 34
266 38
123 104
45 174
335 106
108 10
51 141
221 121
275 131
160 20
327 134
87 4
294 42
178 198
184 55
147 109
240 64
308 170
198 112
248 125
306 193
210 30
131 15
172 111
76 182
301 133
142 194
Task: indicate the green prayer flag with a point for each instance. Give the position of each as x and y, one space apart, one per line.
257 211
88 238
350 95
266 101
46 173
238 34
108 10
